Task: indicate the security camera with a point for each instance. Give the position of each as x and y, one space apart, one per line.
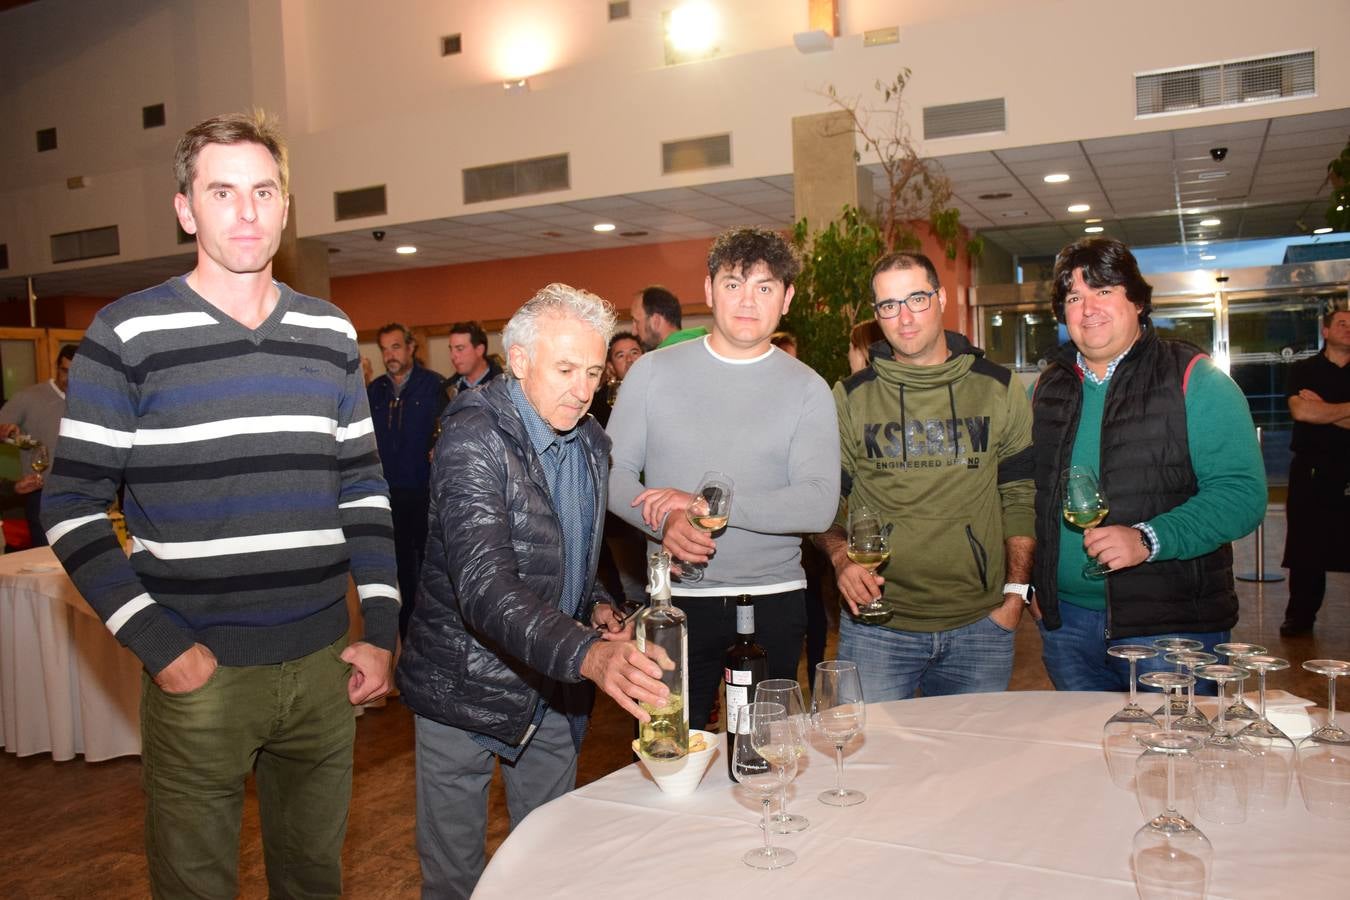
1218 154
377 234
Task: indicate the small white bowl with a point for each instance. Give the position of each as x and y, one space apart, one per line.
681 777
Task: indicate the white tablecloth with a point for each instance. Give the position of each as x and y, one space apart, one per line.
976 796
66 686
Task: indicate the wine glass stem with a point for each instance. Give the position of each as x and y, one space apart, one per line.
839 769
1261 692
768 848
1167 719
1220 728
1133 666
782 801
1331 700
1171 785
1190 698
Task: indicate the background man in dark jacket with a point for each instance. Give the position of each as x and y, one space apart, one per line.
404 403
512 626
1171 439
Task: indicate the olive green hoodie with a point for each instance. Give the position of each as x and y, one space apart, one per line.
943 454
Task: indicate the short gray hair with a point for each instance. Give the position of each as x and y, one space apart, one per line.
558 300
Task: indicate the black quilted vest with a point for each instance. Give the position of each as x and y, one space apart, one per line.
1145 470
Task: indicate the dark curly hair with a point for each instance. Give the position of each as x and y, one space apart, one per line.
739 249
1105 263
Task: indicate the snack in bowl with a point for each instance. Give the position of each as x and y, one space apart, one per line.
680 777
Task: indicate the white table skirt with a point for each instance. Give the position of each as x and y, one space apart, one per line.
66 686
976 796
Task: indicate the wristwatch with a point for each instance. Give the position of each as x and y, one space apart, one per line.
1022 590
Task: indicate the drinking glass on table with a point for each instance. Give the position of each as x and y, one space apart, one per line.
1157 766
1085 506
788 693
1168 645
869 546
1324 755
764 760
709 512
838 712
1120 732
1239 713
1224 762
1172 857
1192 720
1272 768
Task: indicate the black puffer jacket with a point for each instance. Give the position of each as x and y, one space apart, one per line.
486 637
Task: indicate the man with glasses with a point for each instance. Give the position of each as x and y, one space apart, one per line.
935 439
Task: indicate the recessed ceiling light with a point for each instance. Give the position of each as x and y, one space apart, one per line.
1210 176
1207 256
1079 208
1094 229
1056 178
1324 230
1210 223
406 250
997 195
603 226
632 234
1091 221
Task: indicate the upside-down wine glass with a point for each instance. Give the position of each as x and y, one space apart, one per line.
1239 712
1272 770
1171 855
709 512
869 546
1121 730
1168 645
1324 755
1162 762
1192 720
763 762
838 712
1222 790
1085 506
788 693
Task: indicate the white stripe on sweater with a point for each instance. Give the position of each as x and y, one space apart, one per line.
249 543
96 434
374 501
356 430
132 328
224 428
61 529
366 591
126 611
332 323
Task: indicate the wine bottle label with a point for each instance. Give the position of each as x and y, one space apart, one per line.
737 697
738 676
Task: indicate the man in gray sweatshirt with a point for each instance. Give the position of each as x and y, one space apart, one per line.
731 402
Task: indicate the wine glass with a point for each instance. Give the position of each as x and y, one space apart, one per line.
1172 857
838 712
1121 730
1324 755
39 459
763 761
1239 712
1222 791
1192 720
1168 682
869 546
1167 645
1272 770
1085 506
788 693
709 512
1156 767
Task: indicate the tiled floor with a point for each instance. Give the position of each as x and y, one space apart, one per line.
72 829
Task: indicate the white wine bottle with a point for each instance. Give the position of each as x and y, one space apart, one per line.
663 634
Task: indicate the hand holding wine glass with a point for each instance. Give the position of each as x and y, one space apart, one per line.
1085 507
40 459
709 512
869 547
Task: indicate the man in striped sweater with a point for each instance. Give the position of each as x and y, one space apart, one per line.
232 412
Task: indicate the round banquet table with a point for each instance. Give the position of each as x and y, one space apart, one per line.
979 795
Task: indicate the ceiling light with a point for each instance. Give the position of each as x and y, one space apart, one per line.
1210 223
692 28
1206 257
1079 208
1210 176
1056 178
516 86
1091 221
1324 230
1094 229
405 250
603 226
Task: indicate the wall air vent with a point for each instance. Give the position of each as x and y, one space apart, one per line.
91 243
619 9
452 44
46 139
696 153
359 203
153 116
517 179
4 256
1231 83
960 119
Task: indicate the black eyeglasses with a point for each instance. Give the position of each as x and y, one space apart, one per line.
917 303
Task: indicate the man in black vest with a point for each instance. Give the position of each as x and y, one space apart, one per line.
1319 474
1171 439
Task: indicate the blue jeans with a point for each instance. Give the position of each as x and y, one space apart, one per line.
1076 658
893 664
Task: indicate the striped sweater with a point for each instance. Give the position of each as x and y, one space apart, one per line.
252 483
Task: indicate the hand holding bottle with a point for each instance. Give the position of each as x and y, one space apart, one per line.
627 674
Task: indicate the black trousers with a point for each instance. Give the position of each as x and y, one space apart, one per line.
780 624
408 507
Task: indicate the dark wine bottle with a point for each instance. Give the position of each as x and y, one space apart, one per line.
746 665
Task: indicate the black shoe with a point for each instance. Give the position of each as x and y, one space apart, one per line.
1294 629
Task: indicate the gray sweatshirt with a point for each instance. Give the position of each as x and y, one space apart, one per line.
767 422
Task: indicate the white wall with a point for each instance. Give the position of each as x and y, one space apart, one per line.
367 99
